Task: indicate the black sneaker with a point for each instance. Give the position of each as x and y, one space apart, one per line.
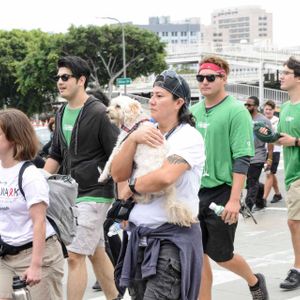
292 281
260 292
97 286
276 198
256 208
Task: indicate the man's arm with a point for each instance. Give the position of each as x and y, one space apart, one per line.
51 165
232 208
288 140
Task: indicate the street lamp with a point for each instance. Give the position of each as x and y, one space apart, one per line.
123 46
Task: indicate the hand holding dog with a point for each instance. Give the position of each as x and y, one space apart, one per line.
147 135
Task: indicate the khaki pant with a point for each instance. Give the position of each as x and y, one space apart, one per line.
50 287
292 200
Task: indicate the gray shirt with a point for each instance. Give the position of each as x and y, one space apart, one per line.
260 147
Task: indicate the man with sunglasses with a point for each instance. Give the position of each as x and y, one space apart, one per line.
226 127
82 143
289 128
254 198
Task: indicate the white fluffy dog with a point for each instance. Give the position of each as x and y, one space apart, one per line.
128 115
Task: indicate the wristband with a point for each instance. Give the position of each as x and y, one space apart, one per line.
296 142
132 182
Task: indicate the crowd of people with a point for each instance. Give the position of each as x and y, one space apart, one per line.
158 257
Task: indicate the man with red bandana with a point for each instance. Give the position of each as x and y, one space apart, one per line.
226 127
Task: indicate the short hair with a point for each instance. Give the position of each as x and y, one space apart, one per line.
18 130
294 64
97 93
222 63
255 99
270 103
78 66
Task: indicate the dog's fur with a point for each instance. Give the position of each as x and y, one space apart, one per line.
125 111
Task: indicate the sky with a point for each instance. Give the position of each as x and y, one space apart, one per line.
58 15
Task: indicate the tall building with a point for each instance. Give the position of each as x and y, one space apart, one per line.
187 31
246 24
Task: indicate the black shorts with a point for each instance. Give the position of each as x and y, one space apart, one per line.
275 162
217 237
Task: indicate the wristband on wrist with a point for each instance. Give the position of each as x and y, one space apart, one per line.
296 142
132 183
269 160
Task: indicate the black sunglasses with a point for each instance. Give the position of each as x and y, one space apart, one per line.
209 78
63 77
248 104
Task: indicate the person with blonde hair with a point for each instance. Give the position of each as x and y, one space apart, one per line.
28 243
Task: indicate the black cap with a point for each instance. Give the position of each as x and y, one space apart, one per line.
175 84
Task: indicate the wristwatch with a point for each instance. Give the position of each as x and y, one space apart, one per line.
296 142
132 182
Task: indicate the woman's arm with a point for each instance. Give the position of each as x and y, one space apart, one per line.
33 274
121 166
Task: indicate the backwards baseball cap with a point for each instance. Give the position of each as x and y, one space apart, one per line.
175 84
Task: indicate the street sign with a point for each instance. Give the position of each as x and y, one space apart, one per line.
124 81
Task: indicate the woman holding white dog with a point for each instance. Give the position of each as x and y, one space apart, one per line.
163 260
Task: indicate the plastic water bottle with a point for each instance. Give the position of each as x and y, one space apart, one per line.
218 209
267 170
114 229
20 291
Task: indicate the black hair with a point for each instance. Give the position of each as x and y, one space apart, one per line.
294 64
97 93
78 66
255 99
184 115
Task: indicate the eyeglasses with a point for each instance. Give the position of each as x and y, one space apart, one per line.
285 73
63 77
248 104
209 78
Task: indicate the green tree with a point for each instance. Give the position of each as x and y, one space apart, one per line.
102 48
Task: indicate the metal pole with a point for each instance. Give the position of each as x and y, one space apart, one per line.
123 47
124 56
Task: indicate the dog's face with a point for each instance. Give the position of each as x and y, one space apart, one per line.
124 110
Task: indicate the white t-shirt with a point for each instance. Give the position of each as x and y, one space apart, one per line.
16 227
187 143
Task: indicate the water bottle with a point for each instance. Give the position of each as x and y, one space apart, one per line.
114 229
218 209
20 291
267 170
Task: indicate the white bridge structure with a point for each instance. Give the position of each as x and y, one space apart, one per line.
248 63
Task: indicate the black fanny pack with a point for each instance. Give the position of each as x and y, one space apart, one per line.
6 249
120 210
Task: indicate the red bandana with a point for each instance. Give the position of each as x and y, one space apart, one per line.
213 67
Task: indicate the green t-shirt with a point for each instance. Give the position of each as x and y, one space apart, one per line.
289 123
68 121
227 132
69 118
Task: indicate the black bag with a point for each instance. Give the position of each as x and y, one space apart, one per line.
120 209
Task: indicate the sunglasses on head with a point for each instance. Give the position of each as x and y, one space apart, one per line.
209 78
163 77
63 77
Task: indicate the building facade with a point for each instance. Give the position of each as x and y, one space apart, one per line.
245 24
175 33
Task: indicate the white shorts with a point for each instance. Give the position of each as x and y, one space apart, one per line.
90 233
